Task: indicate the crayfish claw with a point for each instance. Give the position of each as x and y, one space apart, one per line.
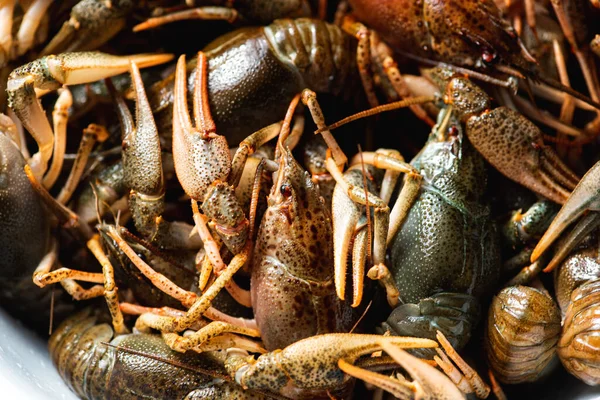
316 364
514 146
464 376
92 24
585 197
49 73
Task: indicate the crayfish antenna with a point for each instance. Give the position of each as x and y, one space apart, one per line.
378 110
565 89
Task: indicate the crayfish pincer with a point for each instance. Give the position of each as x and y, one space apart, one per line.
443 246
97 366
509 141
322 366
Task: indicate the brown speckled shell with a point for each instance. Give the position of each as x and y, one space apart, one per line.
522 331
452 31
579 345
96 371
293 296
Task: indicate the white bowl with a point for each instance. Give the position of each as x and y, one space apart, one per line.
26 369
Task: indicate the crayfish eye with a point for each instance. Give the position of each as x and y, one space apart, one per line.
453 131
489 57
286 190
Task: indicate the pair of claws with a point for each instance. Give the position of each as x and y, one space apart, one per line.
315 363
66 69
510 142
583 201
197 148
427 381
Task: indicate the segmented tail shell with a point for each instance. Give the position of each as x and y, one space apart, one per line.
79 355
521 335
133 366
579 345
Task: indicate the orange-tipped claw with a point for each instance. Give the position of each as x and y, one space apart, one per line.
428 382
50 73
201 156
315 364
346 216
585 197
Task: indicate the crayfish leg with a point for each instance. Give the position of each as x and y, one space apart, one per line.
427 382
200 304
203 13
464 377
202 336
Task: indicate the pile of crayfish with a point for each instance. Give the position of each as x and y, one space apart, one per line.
177 168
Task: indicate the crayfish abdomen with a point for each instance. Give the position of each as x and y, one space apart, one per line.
253 73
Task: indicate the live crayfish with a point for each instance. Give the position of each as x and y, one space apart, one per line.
308 368
238 79
282 174
458 34
506 139
437 309
253 74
